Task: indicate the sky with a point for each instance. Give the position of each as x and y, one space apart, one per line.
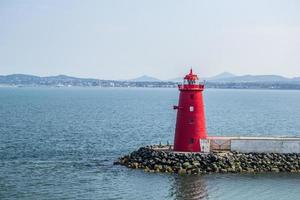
124 39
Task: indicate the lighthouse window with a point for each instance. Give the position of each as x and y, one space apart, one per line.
192 140
192 96
191 121
191 108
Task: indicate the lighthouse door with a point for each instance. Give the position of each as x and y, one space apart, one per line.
204 145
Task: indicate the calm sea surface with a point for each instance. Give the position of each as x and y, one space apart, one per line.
61 143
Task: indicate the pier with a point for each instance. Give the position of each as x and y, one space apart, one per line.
252 144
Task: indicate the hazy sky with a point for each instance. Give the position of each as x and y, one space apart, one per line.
124 39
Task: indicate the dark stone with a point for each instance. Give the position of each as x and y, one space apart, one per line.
152 160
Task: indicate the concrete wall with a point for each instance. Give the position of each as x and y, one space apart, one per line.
265 145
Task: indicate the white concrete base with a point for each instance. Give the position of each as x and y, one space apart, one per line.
256 144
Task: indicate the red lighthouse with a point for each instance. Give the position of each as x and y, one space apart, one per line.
190 123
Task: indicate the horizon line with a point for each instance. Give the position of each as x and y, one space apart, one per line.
149 76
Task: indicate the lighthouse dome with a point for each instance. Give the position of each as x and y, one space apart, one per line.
191 81
191 76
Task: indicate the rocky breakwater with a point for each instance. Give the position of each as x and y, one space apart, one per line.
154 159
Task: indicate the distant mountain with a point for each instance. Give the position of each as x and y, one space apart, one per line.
60 80
224 80
253 78
219 76
223 75
18 79
176 80
296 79
227 77
61 77
144 78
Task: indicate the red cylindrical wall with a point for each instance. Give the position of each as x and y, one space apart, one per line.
190 123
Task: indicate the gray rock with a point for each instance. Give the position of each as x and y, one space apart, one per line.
275 169
182 171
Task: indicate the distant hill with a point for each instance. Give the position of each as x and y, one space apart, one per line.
223 75
227 77
145 78
176 80
219 76
253 78
19 79
296 79
24 79
224 80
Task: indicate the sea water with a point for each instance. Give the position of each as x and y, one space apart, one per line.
60 143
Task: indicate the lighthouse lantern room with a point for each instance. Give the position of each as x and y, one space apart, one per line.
190 122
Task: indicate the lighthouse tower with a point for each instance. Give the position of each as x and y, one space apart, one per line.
190 123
